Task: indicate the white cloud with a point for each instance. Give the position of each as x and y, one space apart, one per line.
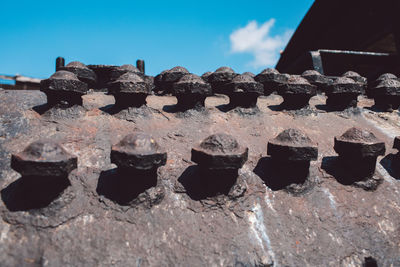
257 40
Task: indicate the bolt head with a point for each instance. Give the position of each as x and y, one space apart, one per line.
44 158
63 81
389 87
316 78
292 145
129 83
344 85
173 75
355 77
244 84
138 151
222 75
219 152
358 143
191 84
297 85
270 75
115 73
81 71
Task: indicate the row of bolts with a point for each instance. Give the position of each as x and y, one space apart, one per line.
219 155
130 86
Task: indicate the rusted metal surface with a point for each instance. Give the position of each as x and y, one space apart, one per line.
184 214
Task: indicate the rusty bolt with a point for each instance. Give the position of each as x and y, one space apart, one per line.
83 73
296 92
343 93
44 158
220 152
206 76
355 77
317 79
129 90
139 152
248 73
63 87
292 145
140 65
60 62
271 79
375 83
291 152
243 91
191 92
115 73
167 78
103 73
358 150
387 94
220 78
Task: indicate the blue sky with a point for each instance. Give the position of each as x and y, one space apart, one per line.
199 35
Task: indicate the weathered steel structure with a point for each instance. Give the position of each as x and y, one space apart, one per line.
337 36
181 170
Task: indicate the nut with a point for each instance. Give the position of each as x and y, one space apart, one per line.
387 94
355 77
220 152
44 158
138 151
103 73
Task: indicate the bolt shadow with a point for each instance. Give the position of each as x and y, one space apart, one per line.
279 176
279 107
201 184
391 164
333 167
225 107
33 192
123 186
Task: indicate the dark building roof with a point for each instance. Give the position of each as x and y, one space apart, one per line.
335 32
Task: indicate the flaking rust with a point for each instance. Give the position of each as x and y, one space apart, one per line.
264 190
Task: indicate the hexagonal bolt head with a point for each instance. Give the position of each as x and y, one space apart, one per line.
165 80
317 79
291 152
387 94
103 74
138 152
292 145
206 76
342 93
243 91
358 150
374 83
220 78
220 152
296 92
271 79
44 158
129 90
191 92
115 73
83 73
355 77
63 87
